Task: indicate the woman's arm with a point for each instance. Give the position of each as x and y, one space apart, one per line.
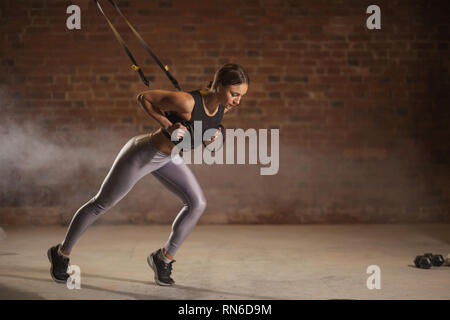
156 102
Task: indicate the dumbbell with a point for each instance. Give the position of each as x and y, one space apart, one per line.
428 260
422 262
437 260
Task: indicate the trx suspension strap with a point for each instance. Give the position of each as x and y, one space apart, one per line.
171 116
135 66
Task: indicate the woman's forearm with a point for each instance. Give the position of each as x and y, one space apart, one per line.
154 112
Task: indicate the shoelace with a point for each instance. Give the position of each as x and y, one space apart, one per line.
168 266
65 263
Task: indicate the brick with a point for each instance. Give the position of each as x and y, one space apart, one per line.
350 96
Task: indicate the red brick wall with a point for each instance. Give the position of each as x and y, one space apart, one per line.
363 115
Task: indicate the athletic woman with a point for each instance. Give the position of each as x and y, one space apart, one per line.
151 153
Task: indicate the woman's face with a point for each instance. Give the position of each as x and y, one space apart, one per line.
230 96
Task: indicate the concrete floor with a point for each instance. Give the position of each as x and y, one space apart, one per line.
232 262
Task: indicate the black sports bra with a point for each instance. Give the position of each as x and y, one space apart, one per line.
198 114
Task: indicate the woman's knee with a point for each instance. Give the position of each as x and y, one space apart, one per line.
99 205
199 205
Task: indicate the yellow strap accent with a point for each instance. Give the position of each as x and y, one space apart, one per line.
166 67
135 67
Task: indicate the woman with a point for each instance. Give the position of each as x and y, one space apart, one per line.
151 153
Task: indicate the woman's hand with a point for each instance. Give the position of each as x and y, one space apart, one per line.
216 135
213 137
179 128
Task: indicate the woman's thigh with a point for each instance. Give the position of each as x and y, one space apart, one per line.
135 160
180 179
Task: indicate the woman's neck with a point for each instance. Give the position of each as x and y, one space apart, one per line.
211 101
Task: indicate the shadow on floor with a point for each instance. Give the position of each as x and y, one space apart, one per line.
192 292
8 293
130 294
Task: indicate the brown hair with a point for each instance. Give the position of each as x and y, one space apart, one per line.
229 74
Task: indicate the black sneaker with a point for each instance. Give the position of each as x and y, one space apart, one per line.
162 270
59 263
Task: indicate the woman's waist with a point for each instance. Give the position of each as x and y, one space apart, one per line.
160 142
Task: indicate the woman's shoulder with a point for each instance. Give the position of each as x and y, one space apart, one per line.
193 97
184 100
195 93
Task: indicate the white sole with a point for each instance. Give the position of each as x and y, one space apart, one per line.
152 265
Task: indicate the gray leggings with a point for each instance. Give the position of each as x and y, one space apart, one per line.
136 159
